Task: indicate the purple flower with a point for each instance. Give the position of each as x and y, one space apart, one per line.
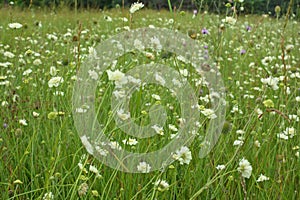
204 31
5 125
248 28
205 47
243 51
195 12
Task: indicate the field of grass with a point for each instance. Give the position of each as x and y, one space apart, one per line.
42 156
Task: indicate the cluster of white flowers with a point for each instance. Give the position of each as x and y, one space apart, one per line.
271 81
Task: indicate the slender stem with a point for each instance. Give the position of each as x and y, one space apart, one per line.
170 5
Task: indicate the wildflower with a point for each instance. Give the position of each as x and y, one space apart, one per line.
82 190
220 167
245 168
123 116
209 113
117 76
183 155
271 81
48 196
159 130
95 193
243 51
162 185
35 114
143 167
23 122
268 103
55 81
204 31
229 20
156 97
15 25
130 141
248 28
262 178
135 7
9 54
18 182
37 62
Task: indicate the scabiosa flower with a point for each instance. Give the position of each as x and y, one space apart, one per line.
243 51
248 28
135 7
245 168
143 167
204 31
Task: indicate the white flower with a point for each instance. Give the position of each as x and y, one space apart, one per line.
262 178
245 168
138 45
272 82
93 74
27 72
53 71
156 97
9 54
160 79
117 76
172 127
35 114
23 122
143 167
156 43
130 141
115 145
15 25
48 196
162 185
37 62
220 167
55 81
123 116
93 169
229 20
209 113
238 143
135 7
159 130
183 155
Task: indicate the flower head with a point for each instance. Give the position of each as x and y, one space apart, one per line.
245 168
135 7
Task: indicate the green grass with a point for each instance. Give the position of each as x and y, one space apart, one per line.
44 155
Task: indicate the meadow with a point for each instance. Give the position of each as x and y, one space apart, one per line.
42 155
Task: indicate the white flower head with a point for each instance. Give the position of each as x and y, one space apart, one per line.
245 168
262 178
143 167
135 7
183 155
15 25
162 185
55 81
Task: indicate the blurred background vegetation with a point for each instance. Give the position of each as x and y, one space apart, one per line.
216 6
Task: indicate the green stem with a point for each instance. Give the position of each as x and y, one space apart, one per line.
170 5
